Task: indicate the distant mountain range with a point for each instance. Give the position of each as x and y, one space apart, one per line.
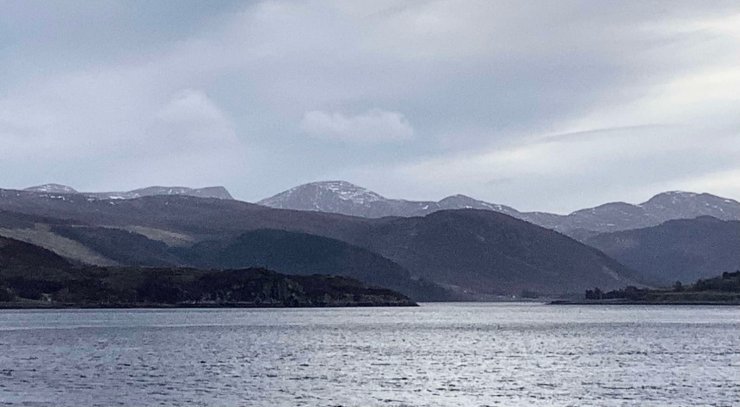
458 247
349 199
345 198
472 253
208 192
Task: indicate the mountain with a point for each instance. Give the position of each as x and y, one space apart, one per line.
345 198
304 254
119 243
207 192
486 252
685 250
14 253
328 196
474 252
658 209
52 189
349 199
686 205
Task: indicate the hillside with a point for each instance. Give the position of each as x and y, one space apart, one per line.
304 254
684 250
17 254
31 276
488 252
287 252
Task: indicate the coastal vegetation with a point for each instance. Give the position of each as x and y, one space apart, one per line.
98 287
724 289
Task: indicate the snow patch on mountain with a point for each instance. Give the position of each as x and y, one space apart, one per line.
52 189
350 192
208 192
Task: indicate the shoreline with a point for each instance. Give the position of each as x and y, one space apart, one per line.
569 302
37 306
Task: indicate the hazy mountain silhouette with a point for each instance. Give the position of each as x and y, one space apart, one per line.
685 250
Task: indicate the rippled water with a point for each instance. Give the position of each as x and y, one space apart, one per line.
434 355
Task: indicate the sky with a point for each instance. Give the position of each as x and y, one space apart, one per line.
550 106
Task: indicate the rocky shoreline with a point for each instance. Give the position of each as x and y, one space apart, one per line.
98 287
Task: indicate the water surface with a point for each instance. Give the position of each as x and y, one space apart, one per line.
433 355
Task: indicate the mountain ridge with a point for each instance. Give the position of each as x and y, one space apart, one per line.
349 199
205 192
331 196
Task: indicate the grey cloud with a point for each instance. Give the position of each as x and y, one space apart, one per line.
373 126
476 87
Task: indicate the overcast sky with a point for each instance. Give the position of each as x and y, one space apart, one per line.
542 105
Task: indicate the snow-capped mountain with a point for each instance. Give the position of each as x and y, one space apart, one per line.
327 196
681 205
52 189
466 202
349 199
663 207
335 197
207 192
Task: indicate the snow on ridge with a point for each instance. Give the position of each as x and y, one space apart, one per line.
52 188
347 191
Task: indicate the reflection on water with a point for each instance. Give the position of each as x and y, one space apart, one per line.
434 355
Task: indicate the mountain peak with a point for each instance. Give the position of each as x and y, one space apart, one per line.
346 190
349 199
688 205
673 196
333 183
460 201
207 192
324 196
52 188
218 191
457 197
682 198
